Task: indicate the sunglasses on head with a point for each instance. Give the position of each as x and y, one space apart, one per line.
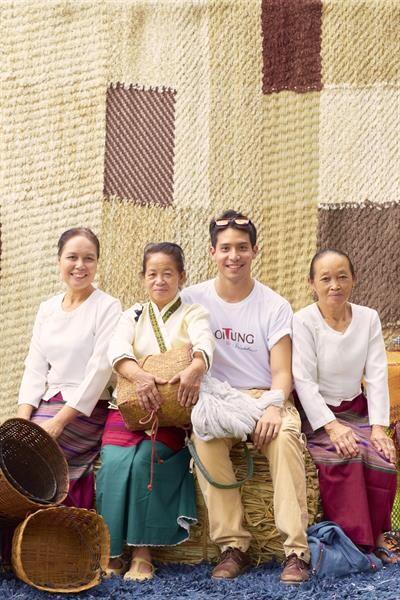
237 220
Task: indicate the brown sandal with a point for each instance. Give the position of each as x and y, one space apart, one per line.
389 550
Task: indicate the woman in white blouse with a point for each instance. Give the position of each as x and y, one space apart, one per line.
67 369
337 347
142 510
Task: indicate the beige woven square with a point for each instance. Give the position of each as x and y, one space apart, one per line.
359 145
236 106
126 229
360 42
52 156
289 245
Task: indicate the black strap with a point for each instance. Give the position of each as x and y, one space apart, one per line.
207 476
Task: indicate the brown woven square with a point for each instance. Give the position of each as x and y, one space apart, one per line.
139 154
370 235
291 45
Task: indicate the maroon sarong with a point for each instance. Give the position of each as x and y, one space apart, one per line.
357 493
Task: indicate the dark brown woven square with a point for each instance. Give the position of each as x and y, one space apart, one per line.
139 153
370 235
291 45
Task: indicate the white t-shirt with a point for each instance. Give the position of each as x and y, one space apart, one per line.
328 365
68 352
244 332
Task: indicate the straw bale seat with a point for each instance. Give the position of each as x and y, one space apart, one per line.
257 496
61 549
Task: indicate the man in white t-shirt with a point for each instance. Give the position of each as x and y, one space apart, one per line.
252 328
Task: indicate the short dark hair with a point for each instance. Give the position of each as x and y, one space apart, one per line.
168 248
322 253
75 231
231 215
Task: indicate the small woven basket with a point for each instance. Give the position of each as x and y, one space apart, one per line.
33 469
171 413
61 549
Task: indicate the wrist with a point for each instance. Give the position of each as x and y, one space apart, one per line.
329 427
273 408
198 363
60 420
66 415
129 369
125 363
24 411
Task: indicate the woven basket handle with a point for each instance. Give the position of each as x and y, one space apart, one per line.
207 476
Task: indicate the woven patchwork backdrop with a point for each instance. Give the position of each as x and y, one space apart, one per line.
144 118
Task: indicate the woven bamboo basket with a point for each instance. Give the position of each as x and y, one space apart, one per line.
171 413
257 497
61 549
33 470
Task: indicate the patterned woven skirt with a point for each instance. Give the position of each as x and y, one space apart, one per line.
80 442
356 493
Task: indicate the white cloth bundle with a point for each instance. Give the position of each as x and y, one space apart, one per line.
223 411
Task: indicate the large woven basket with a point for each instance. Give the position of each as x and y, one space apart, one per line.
61 549
171 413
33 469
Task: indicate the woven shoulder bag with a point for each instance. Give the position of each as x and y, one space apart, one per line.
171 413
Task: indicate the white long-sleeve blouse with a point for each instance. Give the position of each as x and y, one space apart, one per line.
134 336
68 352
328 365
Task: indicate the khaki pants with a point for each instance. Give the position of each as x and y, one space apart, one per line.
286 461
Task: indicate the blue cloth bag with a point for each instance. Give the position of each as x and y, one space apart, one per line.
333 554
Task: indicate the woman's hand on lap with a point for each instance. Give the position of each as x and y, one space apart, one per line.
343 438
383 443
53 427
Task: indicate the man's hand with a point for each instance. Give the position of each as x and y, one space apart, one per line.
267 427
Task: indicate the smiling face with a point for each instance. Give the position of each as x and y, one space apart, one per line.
332 281
233 255
162 279
78 263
